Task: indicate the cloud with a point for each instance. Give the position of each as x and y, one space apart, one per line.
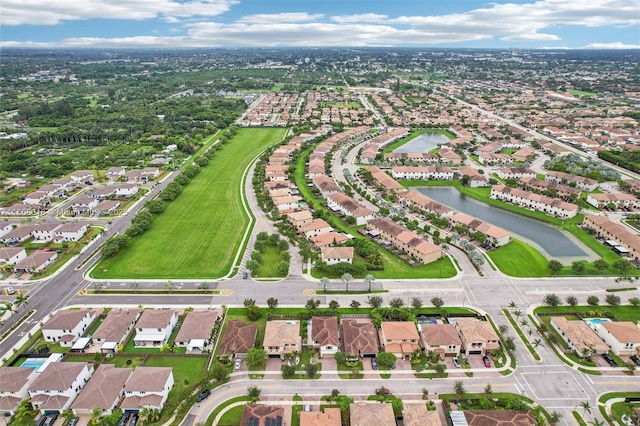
616 45
364 17
272 18
52 12
531 37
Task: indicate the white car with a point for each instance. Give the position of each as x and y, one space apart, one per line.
10 291
456 362
238 362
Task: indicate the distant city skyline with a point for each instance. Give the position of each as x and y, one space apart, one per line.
554 24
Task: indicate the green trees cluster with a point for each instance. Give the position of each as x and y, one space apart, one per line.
262 240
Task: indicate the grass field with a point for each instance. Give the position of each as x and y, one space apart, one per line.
199 233
269 264
519 260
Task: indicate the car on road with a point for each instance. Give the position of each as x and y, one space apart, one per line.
11 290
238 362
635 359
487 361
456 362
203 395
374 363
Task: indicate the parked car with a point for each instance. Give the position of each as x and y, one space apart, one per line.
203 395
11 290
51 418
374 363
73 421
134 420
610 360
456 362
635 359
238 362
124 419
487 361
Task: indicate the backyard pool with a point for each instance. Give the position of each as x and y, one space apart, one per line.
33 362
594 323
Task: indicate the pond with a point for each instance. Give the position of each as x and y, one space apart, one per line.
423 143
549 240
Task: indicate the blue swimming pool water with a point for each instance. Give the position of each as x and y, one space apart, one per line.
595 322
33 362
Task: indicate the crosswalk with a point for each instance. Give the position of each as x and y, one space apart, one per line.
309 292
225 292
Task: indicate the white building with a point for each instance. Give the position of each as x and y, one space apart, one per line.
333 255
67 326
70 232
14 385
58 385
155 326
147 387
12 255
622 336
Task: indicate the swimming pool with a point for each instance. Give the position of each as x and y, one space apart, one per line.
33 362
594 323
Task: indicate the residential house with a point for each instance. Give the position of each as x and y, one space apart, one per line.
617 200
104 390
523 154
58 385
338 202
317 227
417 202
487 159
416 414
450 157
371 413
12 255
622 336
5 228
18 235
149 173
262 415
126 190
115 173
515 173
14 385
195 331
115 329
478 337
36 261
330 417
107 207
287 202
133 175
44 232
325 185
581 182
67 326
147 387
532 201
400 338
37 198
238 338
496 236
359 337
623 241
20 210
579 337
82 176
281 338
300 219
333 255
547 187
325 335
155 326
383 181
406 241
84 205
499 418
70 232
424 173
442 339
330 239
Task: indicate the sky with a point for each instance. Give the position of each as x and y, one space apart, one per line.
559 24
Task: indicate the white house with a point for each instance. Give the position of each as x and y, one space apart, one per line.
126 190
339 202
38 198
115 329
154 327
114 173
44 232
70 232
147 387
622 336
423 173
36 261
82 176
579 336
67 326
325 335
14 385
286 202
104 390
5 228
317 227
18 235
12 255
196 329
515 173
58 385
333 255
84 204
149 173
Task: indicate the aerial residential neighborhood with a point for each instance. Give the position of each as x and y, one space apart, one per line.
308 236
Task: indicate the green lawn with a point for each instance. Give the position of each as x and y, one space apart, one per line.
623 312
269 264
519 260
198 234
232 417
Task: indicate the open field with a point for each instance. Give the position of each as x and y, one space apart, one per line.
198 234
519 259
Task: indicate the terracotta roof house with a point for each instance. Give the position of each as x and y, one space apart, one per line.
195 332
499 418
14 385
115 329
262 415
579 336
406 241
104 390
67 326
36 261
330 417
155 326
495 236
325 185
416 414
325 335
586 184
238 338
421 202
281 338
12 255
359 337
622 336
372 414
317 227
478 337
329 239
401 338
442 339
609 230
300 219
147 387
339 202
58 385
333 255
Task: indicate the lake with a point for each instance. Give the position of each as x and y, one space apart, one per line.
423 143
553 241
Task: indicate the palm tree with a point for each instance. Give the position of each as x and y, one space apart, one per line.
586 407
97 286
21 300
169 285
536 343
325 282
369 279
597 422
346 279
134 286
517 313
